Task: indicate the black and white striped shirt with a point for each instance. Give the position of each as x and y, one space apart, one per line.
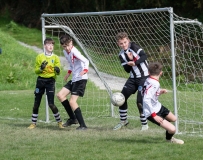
140 58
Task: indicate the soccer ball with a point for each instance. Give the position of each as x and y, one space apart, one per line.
117 99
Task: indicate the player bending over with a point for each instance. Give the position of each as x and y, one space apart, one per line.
134 61
78 66
153 109
47 66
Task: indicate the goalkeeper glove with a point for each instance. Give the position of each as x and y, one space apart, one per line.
43 65
57 69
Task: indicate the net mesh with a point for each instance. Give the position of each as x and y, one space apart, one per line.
151 30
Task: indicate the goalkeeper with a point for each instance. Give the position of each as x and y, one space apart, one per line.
134 61
153 109
47 66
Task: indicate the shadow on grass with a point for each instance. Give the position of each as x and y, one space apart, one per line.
47 126
143 140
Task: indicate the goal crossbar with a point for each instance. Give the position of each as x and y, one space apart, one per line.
107 12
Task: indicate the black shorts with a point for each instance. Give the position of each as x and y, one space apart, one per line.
162 113
77 88
133 84
45 83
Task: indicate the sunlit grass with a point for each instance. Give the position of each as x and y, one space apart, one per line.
99 142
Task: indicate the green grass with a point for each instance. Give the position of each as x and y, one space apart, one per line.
22 33
99 142
16 64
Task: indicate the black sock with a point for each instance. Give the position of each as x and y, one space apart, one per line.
79 117
168 135
68 109
143 119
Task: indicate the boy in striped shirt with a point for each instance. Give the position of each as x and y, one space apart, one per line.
134 61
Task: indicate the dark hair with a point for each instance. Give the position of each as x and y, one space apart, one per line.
49 40
65 39
121 35
155 68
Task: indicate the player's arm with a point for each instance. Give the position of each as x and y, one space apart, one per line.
162 91
38 64
57 65
143 57
70 67
140 52
86 65
78 55
126 67
67 75
69 71
131 57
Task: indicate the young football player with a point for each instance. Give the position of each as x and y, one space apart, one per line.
47 67
153 109
134 61
78 66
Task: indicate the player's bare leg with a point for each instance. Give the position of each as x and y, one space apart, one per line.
62 94
170 130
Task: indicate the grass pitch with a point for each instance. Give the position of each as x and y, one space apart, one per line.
47 142
99 142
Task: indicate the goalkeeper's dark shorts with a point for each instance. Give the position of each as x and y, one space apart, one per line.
162 113
77 88
43 84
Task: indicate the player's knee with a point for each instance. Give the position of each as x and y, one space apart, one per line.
53 108
140 108
59 96
72 102
139 105
173 119
126 94
172 130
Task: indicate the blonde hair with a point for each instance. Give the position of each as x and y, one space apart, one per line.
121 35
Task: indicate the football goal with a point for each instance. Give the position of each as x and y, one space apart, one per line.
174 41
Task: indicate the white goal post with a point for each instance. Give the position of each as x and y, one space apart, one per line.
174 41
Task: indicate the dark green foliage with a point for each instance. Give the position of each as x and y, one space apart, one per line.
29 12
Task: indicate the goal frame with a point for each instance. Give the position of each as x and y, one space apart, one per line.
173 57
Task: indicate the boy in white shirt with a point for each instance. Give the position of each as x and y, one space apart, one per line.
154 111
78 66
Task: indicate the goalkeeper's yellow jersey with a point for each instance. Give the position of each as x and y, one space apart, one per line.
53 60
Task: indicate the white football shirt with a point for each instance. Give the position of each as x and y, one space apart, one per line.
77 63
151 92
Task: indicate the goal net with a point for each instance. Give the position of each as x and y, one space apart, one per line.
174 41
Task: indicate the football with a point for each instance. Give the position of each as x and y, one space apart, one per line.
117 99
